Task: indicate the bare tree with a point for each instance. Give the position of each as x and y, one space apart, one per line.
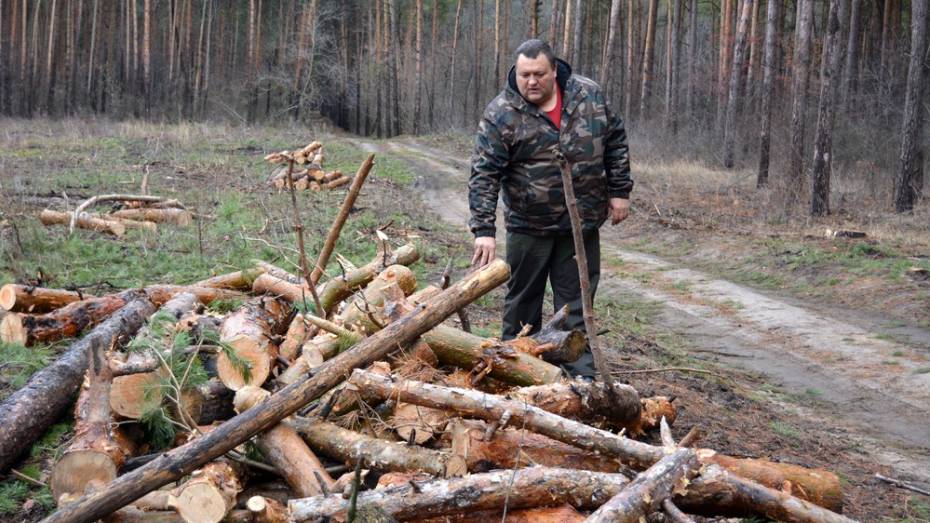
692 56
909 177
419 68
729 129
609 56
455 40
671 75
831 66
648 53
851 71
630 56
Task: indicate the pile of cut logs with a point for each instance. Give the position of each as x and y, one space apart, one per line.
134 212
305 168
354 400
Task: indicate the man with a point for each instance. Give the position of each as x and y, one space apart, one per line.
543 109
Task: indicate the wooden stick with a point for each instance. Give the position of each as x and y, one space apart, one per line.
186 458
330 243
299 230
903 484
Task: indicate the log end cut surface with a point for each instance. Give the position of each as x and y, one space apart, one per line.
80 469
12 329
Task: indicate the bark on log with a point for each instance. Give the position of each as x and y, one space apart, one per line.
129 224
168 215
543 486
237 280
248 332
174 464
358 314
534 450
27 413
649 489
348 446
294 338
26 298
209 495
72 319
816 485
562 514
97 450
286 451
266 510
132 514
340 288
217 402
523 488
114 227
565 346
278 272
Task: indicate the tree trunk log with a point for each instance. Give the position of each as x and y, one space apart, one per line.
714 493
248 331
340 288
816 485
209 495
286 451
645 494
294 338
180 461
376 453
28 412
278 272
97 450
25 298
114 227
266 510
169 215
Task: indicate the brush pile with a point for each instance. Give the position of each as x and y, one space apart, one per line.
132 212
266 396
305 167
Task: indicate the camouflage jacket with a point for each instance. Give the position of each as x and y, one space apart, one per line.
516 146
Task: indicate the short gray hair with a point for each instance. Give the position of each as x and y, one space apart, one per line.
533 48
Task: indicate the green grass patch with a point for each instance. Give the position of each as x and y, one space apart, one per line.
18 363
785 430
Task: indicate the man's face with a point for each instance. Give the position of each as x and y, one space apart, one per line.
535 78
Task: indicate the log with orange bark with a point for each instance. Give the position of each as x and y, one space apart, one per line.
109 226
286 451
165 215
27 298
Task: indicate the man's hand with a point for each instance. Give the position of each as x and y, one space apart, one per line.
484 251
619 210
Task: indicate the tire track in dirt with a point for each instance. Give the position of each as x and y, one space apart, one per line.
885 408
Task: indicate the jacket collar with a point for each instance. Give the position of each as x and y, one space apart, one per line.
563 77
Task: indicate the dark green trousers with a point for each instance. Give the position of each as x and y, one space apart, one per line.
534 260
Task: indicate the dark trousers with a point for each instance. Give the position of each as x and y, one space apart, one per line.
533 260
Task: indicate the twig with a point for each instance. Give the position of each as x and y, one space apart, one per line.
331 327
26 478
298 226
356 484
903 484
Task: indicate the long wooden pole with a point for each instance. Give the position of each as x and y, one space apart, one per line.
187 458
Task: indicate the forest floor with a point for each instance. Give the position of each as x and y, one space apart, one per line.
799 348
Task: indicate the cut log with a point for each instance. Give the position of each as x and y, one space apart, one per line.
132 514
416 424
564 346
645 494
237 280
30 411
561 514
248 332
182 460
592 403
147 214
294 338
348 446
465 350
70 320
284 450
86 204
338 182
293 293
532 450
217 402
332 175
815 485
278 272
340 288
266 510
130 224
26 298
310 358
523 488
210 494
97 450
543 486
134 395
114 227
359 313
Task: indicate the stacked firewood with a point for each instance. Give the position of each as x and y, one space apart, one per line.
132 212
305 168
354 399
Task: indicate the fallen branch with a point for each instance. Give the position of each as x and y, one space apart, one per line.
109 198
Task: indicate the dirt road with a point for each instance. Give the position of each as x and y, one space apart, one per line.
837 360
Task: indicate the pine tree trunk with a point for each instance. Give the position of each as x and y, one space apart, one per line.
453 101
609 57
534 18
794 180
630 59
729 129
648 54
577 30
725 56
692 57
772 19
909 177
831 67
672 81
851 71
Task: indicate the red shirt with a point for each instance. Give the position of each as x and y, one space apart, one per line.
556 113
